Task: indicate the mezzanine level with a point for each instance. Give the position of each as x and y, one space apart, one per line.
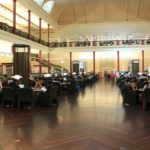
32 40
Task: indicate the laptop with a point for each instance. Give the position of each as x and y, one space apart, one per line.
21 85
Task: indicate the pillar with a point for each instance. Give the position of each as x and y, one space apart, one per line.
40 62
29 23
118 61
143 61
48 35
14 16
40 29
49 65
94 62
21 61
70 62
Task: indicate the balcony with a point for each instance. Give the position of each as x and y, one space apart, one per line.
109 43
76 44
7 28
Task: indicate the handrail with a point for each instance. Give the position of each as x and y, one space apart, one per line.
10 20
109 43
45 62
55 66
100 43
6 27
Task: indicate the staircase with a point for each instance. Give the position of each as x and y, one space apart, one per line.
45 63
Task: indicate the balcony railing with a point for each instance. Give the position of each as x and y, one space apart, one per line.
6 27
100 43
110 43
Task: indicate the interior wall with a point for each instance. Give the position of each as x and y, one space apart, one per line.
146 59
61 59
101 63
4 59
140 29
128 56
86 57
104 60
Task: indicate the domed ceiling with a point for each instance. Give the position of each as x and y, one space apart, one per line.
96 11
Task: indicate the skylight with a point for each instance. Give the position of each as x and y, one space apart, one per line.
39 2
48 6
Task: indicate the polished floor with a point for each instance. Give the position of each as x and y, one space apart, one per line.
95 119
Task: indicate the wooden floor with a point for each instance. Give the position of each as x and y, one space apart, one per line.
93 120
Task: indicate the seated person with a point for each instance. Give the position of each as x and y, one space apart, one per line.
32 81
141 94
5 84
15 84
147 84
134 85
38 83
134 93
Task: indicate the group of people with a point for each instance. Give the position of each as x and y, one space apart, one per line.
42 82
109 76
136 85
43 86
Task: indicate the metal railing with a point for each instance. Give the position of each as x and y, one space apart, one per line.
45 63
108 43
6 27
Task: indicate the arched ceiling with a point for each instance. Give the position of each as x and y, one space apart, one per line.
96 11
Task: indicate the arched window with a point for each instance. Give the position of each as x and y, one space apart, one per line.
48 6
39 2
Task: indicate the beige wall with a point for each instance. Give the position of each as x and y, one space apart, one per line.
62 59
127 56
4 59
104 60
86 57
110 28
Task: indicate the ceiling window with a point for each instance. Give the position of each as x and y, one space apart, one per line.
39 2
48 6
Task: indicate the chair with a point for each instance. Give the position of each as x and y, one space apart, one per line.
50 97
25 95
53 95
146 99
129 96
74 87
82 83
9 95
